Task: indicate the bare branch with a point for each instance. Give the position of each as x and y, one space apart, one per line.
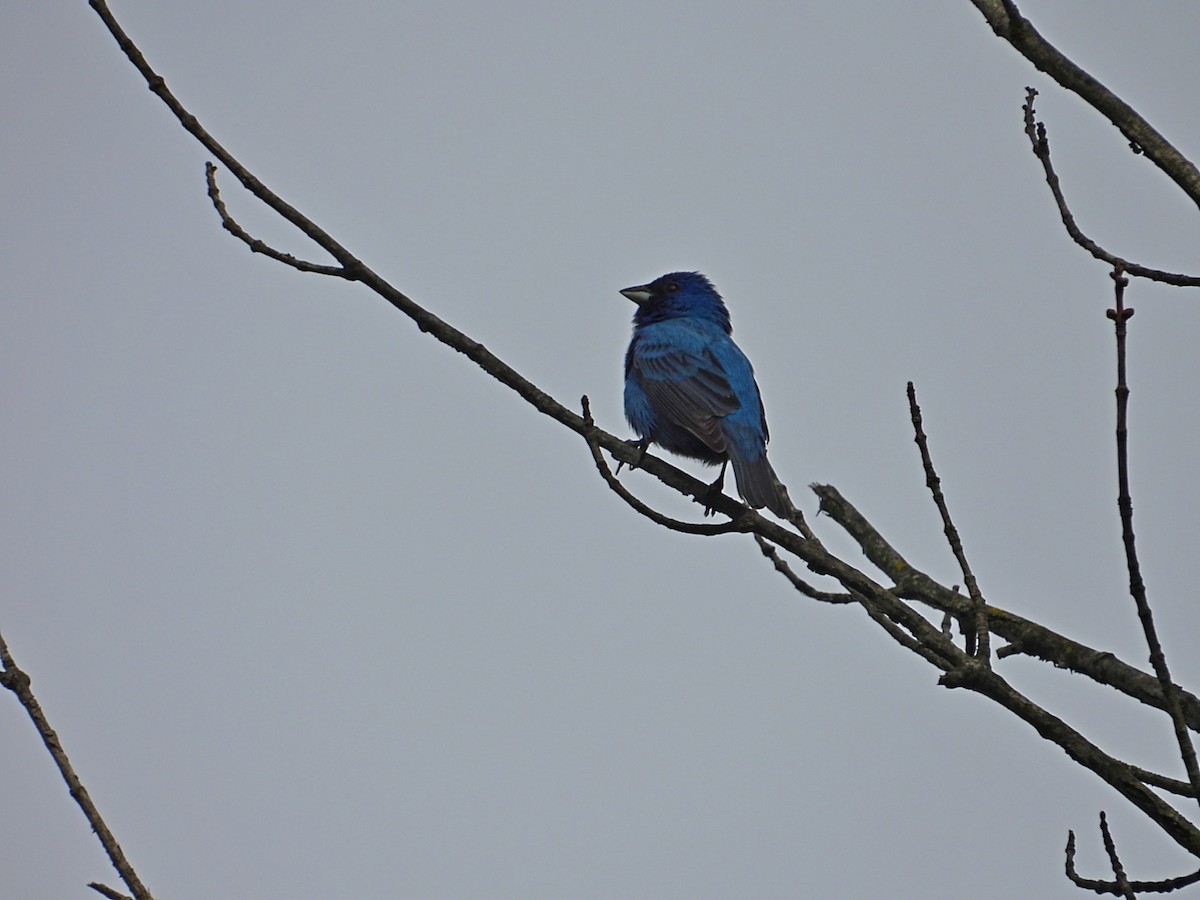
796 581
930 654
256 245
963 671
1111 887
1036 132
979 631
158 85
1174 785
1008 23
18 682
106 891
1024 636
933 655
1137 587
1110 848
1116 773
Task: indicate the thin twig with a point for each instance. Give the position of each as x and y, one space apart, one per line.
106 891
808 590
17 681
1166 886
971 674
1036 132
898 634
1110 847
1120 315
1110 887
192 125
934 654
1174 785
259 246
653 515
979 631
1008 24
796 517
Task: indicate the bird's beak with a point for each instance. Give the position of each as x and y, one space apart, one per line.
639 294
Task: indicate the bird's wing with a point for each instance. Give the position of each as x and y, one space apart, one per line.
687 386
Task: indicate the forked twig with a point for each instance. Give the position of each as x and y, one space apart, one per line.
259 246
979 631
1097 886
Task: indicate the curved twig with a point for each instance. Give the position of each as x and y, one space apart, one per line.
259 246
795 580
1036 132
640 507
1166 886
192 125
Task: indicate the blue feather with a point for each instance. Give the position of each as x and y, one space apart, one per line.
691 390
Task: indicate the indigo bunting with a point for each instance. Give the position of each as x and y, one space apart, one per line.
691 390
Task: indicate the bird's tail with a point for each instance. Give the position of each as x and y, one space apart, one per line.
760 486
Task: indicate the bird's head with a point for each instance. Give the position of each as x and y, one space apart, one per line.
677 295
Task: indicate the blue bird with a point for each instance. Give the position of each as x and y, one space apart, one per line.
691 390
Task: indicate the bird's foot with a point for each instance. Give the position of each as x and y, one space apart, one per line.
641 446
714 490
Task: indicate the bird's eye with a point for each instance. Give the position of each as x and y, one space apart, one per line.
672 287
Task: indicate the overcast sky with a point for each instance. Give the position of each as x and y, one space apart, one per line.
321 610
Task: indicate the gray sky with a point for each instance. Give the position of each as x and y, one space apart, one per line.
320 610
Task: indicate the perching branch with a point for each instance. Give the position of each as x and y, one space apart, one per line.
889 604
637 505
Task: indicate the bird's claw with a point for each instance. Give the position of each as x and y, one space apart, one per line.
641 446
714 491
